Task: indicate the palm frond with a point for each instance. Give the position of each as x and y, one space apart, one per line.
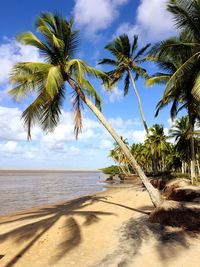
158 78
142 51
54 81
134 45
196 88
126 84
108 61
77 110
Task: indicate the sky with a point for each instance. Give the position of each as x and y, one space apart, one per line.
99 22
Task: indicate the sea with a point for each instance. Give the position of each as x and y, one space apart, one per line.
21 189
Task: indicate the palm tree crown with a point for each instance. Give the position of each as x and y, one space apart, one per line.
57 45
126 58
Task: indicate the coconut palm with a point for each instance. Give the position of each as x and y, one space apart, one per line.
170 55
58 72
126 62
180 131
159 143
119 157
141 153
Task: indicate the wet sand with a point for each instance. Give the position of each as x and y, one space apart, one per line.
110 228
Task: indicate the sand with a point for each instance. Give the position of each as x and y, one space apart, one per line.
105 229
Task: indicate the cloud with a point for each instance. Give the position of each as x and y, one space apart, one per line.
11 52
59 146
97 15
116 95
106 144
153 22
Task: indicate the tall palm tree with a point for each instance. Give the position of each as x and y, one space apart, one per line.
180 131
170 55
50 79
126 61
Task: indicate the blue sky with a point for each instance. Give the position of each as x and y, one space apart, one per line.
99 22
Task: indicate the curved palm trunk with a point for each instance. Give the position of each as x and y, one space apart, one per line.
154 163
153 192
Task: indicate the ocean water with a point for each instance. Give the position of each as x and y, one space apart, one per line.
21 190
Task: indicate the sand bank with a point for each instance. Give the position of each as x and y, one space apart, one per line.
105 229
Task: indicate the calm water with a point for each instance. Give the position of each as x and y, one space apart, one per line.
21 189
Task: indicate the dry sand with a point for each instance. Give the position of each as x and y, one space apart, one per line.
105 229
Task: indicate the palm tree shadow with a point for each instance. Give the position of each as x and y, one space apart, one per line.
169 241
45 218
136 232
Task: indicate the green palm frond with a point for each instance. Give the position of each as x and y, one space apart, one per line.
158 78
142 51
185 14
91 92
28 38
57 44
196 88
183 70
54 81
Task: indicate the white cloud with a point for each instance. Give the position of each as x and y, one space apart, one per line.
11 128
137 136
153 22
93 143
116 95
11 52
96 15
106 144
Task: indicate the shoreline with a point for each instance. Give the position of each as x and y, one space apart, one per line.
47 205
104 229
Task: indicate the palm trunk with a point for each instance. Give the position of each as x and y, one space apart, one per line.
182 167
193 157
154 163
198 167
153 192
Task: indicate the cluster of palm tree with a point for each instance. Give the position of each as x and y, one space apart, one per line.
60 72
172 152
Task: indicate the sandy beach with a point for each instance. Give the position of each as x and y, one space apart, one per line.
105 229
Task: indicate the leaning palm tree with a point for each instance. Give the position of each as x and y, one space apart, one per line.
50 79
126 62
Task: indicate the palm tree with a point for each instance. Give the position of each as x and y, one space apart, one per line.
159 143
142 155
119 157
50 79
180 131
126 60
171 55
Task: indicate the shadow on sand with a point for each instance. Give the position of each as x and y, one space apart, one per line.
45 218
169 242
